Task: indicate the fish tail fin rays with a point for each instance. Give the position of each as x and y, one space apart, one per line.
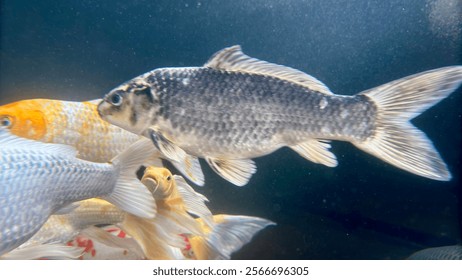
130 194
395 140
43 251
228 235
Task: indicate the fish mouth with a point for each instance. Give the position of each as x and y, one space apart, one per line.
151 183
104 109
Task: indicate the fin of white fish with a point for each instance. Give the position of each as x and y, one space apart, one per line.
396 140
47 251
191 168
194 201
236 171
229 235
130 194
167 147
316 151
233 59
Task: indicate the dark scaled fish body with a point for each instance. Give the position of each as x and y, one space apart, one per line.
236 108
252 115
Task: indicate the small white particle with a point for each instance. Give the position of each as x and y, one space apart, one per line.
185 81
323 103
344 114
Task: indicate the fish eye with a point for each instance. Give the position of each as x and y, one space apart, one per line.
169 178
6 122
116 99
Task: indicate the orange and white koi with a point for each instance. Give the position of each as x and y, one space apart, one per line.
78 124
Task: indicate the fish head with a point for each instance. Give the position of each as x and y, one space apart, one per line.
24 119
159 181
130 106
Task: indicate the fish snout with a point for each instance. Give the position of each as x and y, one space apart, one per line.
104 109
154 186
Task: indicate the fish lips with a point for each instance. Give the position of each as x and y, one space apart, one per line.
104 109
151 183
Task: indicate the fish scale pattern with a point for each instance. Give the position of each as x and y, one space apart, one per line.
227 111
35 183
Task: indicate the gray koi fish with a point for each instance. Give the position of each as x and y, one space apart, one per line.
236 108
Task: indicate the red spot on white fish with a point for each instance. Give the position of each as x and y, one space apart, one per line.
122 234
188 244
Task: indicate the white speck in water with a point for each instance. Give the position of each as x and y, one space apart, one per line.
185 81
344 114
323 103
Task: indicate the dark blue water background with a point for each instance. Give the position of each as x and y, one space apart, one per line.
362 209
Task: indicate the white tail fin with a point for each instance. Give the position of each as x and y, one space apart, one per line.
227 236
130 194
395 140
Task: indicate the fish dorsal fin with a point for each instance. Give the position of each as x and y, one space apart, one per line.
233 59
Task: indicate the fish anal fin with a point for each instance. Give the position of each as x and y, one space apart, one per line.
233 59
316 151
236 171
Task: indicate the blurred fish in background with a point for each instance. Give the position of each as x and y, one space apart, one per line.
453 252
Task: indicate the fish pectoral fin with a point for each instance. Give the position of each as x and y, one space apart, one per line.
233 59
191 168
167 147
236 171
316 151
194 201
